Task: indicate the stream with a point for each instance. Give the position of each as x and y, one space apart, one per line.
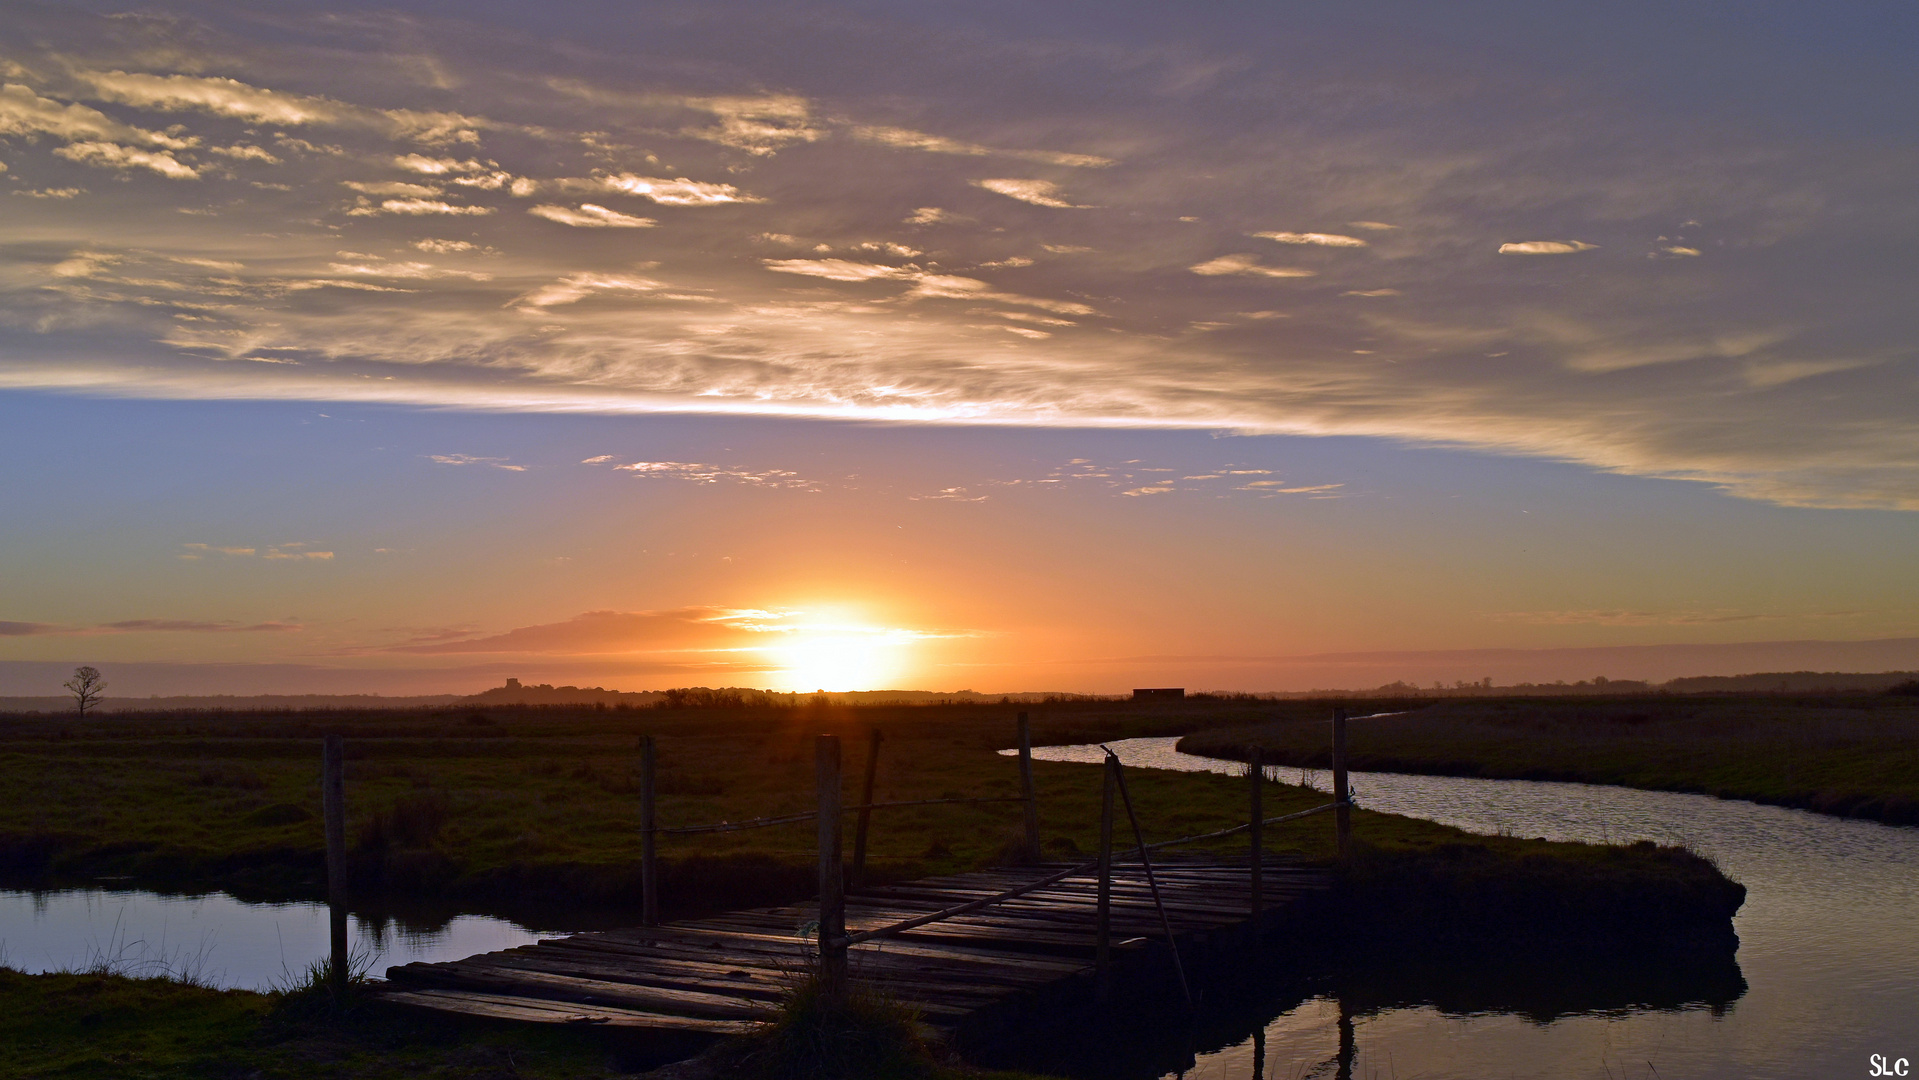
1829 944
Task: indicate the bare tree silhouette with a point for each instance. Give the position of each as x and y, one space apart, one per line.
86 686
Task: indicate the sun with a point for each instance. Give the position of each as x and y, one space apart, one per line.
838 658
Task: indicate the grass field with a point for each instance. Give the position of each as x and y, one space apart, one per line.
1854 755
503 810
525 805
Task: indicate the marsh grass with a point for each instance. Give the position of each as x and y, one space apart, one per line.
1853 755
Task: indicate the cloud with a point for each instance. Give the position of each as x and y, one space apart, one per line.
1037 192
680 192
145 626
469 459
576 287
1316 238
114 156
906 139
244 152
23 112
601 632
1545 247
1746 378
1628 618
391 187
438 166
926 286
591 216
420 207
840 269
1247 266
698 473
757 124
218 96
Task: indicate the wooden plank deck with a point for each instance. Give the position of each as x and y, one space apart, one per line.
719 975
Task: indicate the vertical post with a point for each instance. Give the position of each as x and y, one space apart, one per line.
866 809
1348 1045
1256 769
333 808
649 834
1343 813
1026 788
826 775
1103 927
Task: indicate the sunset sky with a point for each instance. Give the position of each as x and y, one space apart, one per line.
1039 346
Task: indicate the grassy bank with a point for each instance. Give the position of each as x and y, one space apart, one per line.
522 806
97 1025
1853 755
513 811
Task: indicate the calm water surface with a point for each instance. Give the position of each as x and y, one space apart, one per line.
1829 943
217 938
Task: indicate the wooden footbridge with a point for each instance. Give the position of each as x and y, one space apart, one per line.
952 947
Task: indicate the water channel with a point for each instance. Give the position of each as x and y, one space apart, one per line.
1829 944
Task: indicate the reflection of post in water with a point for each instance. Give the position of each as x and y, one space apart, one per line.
1259 1052
1347 1050
333 808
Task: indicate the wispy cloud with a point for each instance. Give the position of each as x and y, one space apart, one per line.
1248 266
1545 247
146 626
907 139
1037 192
590 216
679 192
898 307
1314 238
469 459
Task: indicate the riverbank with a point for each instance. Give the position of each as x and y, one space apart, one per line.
1853 755
501 810
535 810
97 1024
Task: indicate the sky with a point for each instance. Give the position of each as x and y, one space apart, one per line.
403 348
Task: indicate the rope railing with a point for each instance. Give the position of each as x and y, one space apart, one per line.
834 941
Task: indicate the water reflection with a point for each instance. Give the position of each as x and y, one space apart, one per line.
1825 942
221 940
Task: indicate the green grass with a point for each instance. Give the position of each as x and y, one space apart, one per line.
539 804
94 1025
84 1025
1853 755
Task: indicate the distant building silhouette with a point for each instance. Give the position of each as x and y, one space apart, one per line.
1160 693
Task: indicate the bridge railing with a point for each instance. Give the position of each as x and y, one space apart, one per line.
833 939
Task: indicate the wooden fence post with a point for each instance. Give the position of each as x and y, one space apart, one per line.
1026 788
1103 926
1343 813
1256 768
826 775
649 834
333 809
866 809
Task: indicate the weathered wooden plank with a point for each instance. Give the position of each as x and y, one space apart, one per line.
466 975
541 1011
721 973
